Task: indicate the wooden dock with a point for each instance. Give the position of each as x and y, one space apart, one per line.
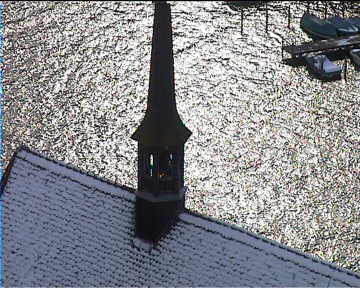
343 42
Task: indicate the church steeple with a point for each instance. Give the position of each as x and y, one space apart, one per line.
162 125
161 137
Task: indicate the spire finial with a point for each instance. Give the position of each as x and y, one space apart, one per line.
162 125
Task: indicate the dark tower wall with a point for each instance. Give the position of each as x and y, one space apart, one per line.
161 138
162 125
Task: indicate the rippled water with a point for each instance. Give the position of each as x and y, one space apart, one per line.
272 149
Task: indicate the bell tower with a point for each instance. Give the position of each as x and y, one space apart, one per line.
161 138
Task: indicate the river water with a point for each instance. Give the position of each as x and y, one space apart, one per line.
273 150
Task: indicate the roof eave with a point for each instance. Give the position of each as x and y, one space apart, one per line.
5 176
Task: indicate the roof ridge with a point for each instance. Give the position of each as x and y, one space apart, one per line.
24 148
278 244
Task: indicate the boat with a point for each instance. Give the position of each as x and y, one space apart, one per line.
355 57
355 21
317 28
343 26
322 67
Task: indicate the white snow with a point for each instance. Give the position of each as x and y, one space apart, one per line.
68 172
68 233
270 246
140 243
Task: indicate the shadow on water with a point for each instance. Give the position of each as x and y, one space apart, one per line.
245 4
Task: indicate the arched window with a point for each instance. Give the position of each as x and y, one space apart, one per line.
165 164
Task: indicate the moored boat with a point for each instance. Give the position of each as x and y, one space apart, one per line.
355 21
322 67
317 28
343 26
355 57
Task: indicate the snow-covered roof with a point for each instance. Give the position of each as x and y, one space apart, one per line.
64 227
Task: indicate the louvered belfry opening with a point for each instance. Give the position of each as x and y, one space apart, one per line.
161 138
160 170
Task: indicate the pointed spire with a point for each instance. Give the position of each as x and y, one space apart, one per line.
162 125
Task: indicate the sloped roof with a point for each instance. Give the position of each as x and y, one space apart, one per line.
64 227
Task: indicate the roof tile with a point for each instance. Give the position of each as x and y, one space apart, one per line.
64 227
